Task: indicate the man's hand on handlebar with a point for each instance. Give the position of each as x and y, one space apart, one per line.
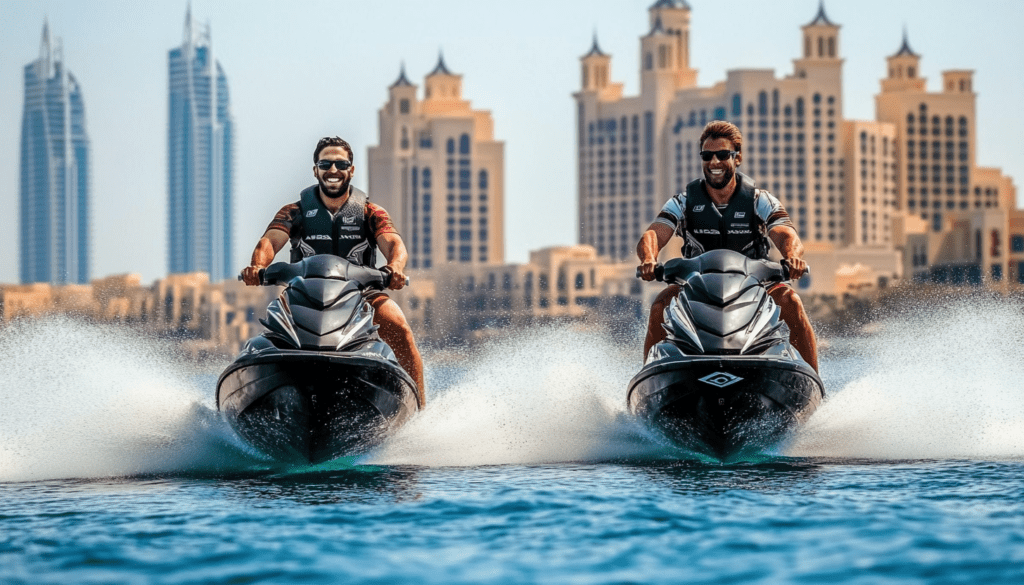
398 278
646 270
797 267
251 275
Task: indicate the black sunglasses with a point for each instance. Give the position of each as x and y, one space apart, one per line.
325 165
723 155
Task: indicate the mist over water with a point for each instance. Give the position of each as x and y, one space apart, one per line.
945 380
85 400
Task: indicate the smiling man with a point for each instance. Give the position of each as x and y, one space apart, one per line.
756 220
333 217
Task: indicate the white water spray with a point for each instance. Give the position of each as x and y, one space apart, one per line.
81 400
544 395
932 384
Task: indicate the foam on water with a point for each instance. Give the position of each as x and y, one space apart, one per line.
938 382
543 395
81 400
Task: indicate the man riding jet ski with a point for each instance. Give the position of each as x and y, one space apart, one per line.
724 211
725 382
334 218
319 383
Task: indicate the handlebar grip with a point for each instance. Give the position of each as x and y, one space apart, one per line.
659 272
262 272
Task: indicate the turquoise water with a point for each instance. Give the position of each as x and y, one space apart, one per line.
115 468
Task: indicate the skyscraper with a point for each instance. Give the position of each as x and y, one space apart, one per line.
199 158
440 173
54 186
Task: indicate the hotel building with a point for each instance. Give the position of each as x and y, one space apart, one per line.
440 173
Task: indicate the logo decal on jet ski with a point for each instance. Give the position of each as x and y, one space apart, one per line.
720 379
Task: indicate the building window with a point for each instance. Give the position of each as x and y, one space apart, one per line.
1017 243
403 106
450 146
464 144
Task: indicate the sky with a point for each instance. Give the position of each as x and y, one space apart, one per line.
300 70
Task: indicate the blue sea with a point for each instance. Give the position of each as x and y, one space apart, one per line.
526 468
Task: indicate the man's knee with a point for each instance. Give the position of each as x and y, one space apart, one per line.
661 302
390 318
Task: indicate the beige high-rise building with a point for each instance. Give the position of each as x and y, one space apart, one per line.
440 173
936 130
635 152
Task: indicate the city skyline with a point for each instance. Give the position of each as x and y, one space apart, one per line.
533 117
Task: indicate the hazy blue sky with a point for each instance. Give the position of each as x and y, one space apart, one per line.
303 69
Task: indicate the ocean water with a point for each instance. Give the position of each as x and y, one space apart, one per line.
525 468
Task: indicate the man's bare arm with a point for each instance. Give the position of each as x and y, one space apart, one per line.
650 245
393 249
268 247
788 242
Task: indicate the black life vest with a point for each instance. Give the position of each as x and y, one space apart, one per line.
347 234
737 227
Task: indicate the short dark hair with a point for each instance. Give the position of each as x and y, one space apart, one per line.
722 129
332 141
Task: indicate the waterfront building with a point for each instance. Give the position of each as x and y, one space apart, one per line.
200 158
440 173
937 140
54 176
634 152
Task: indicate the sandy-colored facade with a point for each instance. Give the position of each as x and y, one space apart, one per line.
439 172
846 183
207 318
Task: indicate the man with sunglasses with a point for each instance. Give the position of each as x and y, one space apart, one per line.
726 210
334 217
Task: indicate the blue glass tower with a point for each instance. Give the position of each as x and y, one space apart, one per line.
54 179
199 158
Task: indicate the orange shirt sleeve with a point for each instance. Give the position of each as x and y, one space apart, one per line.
379 220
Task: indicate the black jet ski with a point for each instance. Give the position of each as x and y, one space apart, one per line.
725 382
319 383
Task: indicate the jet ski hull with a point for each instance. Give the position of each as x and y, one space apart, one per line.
311 407
725 406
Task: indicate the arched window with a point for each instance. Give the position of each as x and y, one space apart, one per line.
579 281
831 46
648 61
403 106
821 46
450 146
737 104
483 179
762 103
464 144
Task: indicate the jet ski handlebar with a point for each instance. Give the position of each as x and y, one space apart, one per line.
325 266
678 270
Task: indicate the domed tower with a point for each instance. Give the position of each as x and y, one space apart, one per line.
595 67
820 48
674 19
398 118
904 70
442 84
